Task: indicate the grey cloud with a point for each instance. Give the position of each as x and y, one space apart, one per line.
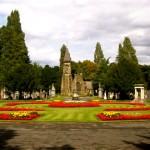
144 59
141 40
81 23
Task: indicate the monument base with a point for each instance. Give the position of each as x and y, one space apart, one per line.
75 96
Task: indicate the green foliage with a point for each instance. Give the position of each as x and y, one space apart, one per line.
98 55
49 76
127 51
102 66
146 73
100 74
88 69
13 52
128 71
34 78
111 78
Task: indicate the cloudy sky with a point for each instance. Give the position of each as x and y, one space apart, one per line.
80 24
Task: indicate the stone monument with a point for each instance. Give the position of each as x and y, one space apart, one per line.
100 94
53 91
105 96
139 93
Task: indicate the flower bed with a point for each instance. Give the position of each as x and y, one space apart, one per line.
18 103
131 103
62 104
122 117
75 101
111 114
21 109
20 115
127 109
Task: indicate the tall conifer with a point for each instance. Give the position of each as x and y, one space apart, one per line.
129 72
14 53
98 55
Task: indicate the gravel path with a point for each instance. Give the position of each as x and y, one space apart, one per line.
74 136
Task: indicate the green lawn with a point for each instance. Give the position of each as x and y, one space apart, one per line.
84 114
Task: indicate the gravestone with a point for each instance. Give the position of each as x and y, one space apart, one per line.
100 93
105 96
53 91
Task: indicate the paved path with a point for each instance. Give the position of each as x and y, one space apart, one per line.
75 136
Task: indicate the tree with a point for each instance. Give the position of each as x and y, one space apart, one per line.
146 73
46 78
111 78
33 78
14 50
127 51
1 46
129 72
102 65
88 70
98 55
55 76
49 76
100 74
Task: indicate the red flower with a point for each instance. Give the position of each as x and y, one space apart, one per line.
21 109
127 109
63 104
123 117
18 103
8 117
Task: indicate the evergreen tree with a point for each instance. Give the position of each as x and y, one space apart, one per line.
128 69
127 51
102 66
98 55
146 73
46 79
14 50
49 76
1 58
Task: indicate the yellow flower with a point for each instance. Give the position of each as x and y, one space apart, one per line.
111 114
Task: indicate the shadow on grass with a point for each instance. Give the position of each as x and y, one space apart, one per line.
6 135
64 147
140 145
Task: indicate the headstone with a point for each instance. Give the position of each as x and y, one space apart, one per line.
53 92
100 94
105 96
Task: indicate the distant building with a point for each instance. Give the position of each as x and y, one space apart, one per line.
70 85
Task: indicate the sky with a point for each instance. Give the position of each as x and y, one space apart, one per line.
80 24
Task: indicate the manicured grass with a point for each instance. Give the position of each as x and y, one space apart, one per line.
80 114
